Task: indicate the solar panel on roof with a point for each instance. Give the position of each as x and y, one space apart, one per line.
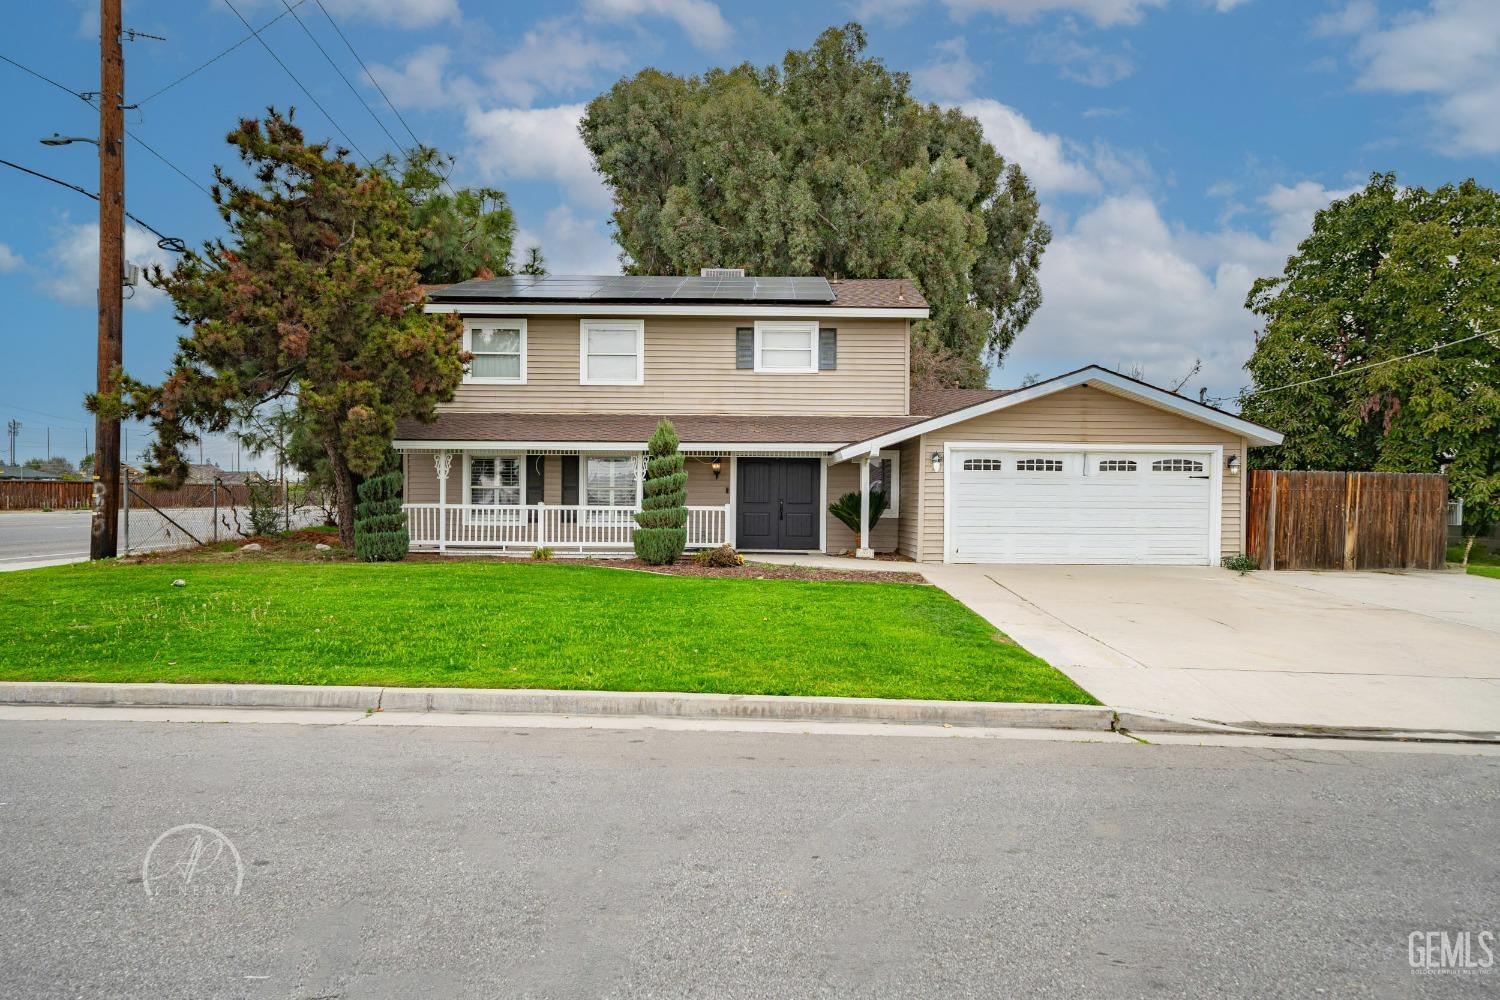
603 288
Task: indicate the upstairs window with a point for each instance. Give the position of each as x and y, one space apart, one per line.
786 347
612 352
1176 465
499 349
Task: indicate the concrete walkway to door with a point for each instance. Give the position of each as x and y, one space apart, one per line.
1360 650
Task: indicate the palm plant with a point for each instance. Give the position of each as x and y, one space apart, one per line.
846 509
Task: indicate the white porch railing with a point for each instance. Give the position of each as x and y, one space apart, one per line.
545 525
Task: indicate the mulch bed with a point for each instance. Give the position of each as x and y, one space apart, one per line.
764 571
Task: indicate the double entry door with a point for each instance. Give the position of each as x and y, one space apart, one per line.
777 503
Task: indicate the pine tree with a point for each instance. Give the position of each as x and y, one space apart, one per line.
379 522
662 533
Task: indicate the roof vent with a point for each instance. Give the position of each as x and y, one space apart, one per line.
721 272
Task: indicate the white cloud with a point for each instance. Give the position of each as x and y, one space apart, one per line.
1451 53
1353 18
1086 64
536 144
10 260
1122 286
570 244
951 75
73 258
1041 154
551 57
419 82
395 13
699 19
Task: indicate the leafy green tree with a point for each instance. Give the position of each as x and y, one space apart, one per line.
825 166
311 299
534 264
661 534
464 231
1396 291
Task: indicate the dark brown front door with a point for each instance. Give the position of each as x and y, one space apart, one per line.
777 503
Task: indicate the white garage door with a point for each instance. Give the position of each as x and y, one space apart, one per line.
1080 507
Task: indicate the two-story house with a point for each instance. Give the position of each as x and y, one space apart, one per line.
787 393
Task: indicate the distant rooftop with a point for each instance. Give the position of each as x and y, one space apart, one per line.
893 293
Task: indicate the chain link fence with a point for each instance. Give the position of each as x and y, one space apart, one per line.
202 513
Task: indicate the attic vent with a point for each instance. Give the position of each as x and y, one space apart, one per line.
721 272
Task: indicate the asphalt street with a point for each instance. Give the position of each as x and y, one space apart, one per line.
593 863
32 536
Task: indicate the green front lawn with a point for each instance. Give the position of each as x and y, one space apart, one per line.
506 625
1481 561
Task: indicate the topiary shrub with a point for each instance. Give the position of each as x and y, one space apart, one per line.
661 533
379 522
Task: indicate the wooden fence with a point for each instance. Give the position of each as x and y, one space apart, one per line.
31 494
1346 520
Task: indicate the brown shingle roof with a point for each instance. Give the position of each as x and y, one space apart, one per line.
630 428
876 293
934 402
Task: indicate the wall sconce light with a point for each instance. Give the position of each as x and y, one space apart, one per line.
717 465
1233 464
937 461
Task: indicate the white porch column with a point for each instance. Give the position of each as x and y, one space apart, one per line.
442 461
864 551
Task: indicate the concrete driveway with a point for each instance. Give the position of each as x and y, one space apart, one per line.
1416 651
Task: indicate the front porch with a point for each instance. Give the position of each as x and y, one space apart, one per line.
583 502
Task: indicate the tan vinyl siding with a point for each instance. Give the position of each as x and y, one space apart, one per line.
844 478
1087 415
703 490
690 368
908 535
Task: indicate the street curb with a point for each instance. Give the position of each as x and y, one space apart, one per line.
541 702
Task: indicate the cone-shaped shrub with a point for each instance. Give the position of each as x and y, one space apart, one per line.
661 535
379 522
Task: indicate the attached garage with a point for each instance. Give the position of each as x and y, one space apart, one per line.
1092 505
1088 467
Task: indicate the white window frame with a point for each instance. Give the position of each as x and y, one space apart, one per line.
811 326
610 514
470 517
893 494
584 325
494 324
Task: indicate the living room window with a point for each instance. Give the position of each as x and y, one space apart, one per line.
610 482
612 352
786 347
499 349
495 481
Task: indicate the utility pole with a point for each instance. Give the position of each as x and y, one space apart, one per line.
13 428
104 541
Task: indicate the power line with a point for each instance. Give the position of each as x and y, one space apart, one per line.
170 243
357 96
368 74
1362 368
272 52
89 101
147 146
209 62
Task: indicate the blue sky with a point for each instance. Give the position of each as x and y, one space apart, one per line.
1180 146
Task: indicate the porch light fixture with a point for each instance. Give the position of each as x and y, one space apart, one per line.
717 465
937 461
1233 464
